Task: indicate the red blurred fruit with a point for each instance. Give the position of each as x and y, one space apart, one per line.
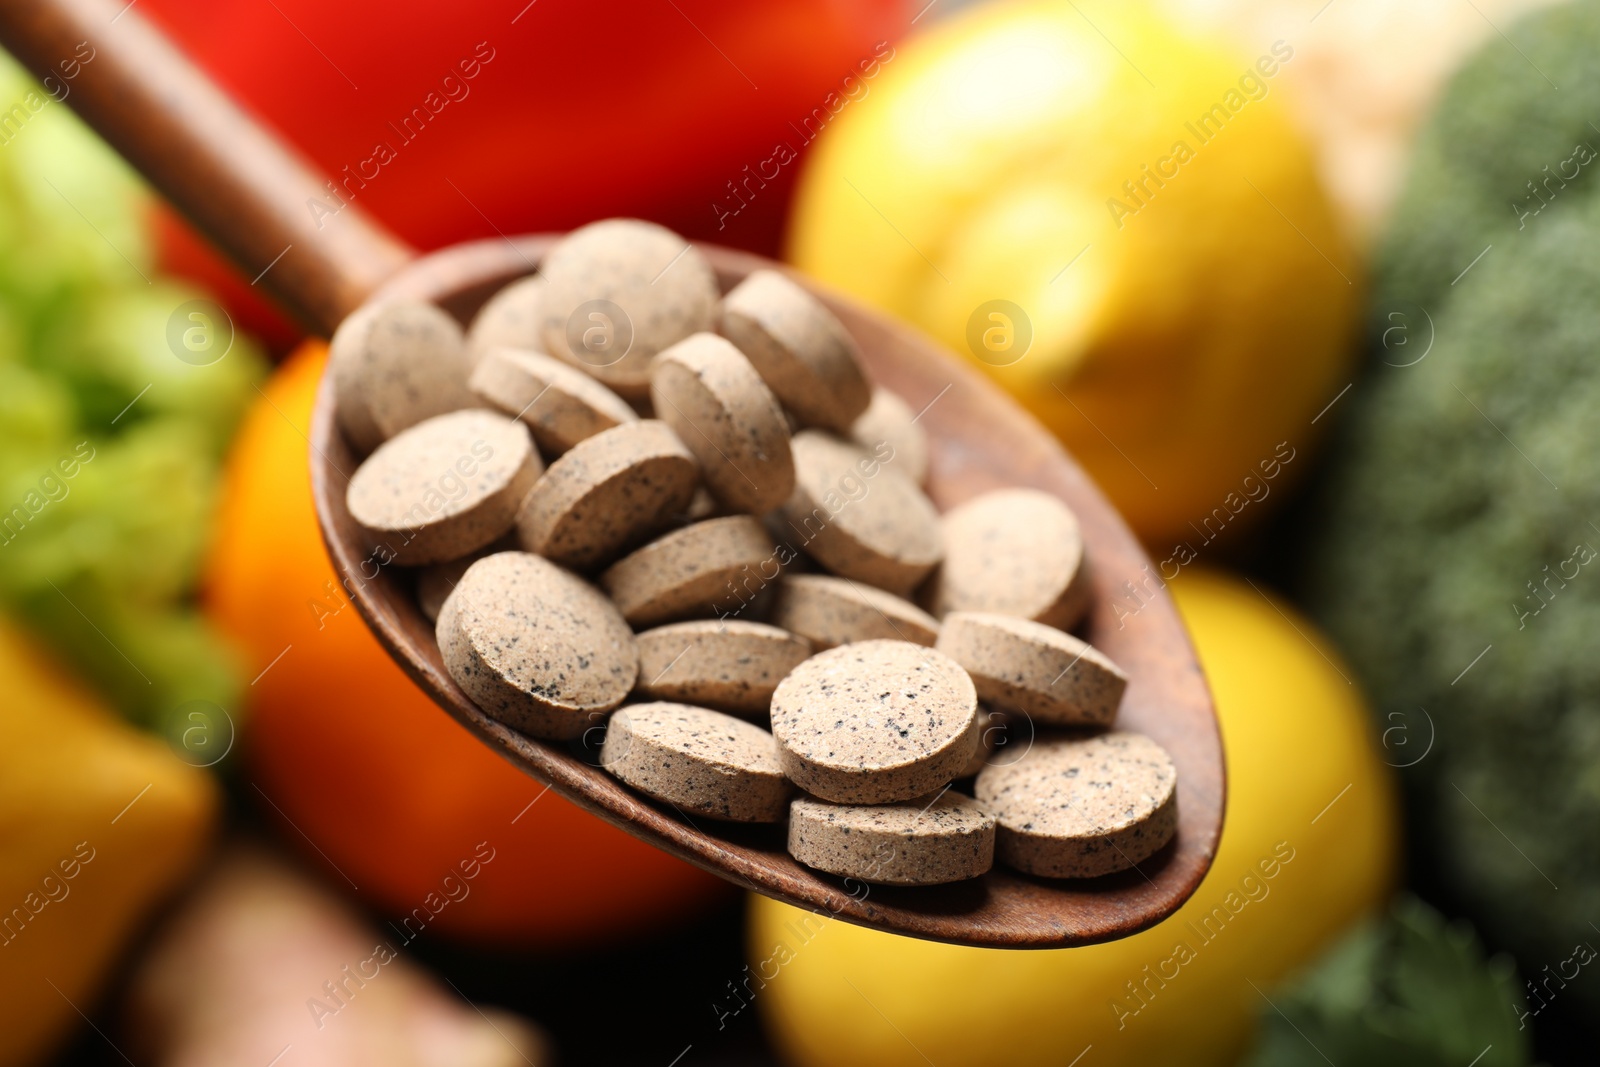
575 110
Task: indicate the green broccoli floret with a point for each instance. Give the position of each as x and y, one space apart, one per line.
1457 555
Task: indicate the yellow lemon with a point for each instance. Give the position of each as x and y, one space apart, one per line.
1122 224
1308 846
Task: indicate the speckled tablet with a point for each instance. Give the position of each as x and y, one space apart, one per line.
875 722
830 611
700 761
1056 679
394 365
560 404
1082 807
926 841
608 492
510 318
799 347
708 392
535 646
888 419
619 291
859 518
444 487
731 665
1012 552
688 573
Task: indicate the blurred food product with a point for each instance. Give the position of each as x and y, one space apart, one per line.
470 121
1406 990
1309 846
1454 553
118 392
98 822
387 787
262 960
1121 224
1365 76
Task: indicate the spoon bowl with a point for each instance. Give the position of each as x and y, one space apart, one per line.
979 439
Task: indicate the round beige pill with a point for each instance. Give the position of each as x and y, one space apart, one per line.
512 318
799 347
889 421
830 611
707 391
700 761
689 573
1012 552
857 517
444 487
395 365
1082 807
619 291
535 646
927 841
1054 678
560 404
730 665
875 722
607 492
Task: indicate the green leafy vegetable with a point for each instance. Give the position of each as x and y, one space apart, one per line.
110 445
1406 991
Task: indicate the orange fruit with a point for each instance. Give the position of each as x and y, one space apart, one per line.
374 779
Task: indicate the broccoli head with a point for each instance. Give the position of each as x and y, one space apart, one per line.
1457 552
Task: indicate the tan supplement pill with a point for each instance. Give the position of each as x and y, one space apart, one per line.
512 318
830 611
920 842
701 761
689 573
444 487
799 347
608 492
888 419
707 391
875 722
1054 678
1082 807
730 665
435 581
619 291
853 514
560 404
393 366
535 646
1012 552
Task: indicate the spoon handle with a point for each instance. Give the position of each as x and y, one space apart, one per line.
237 182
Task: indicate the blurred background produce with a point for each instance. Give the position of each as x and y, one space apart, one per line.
1191 335
1470 479
1175 294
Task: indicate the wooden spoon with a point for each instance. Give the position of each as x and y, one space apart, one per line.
250 193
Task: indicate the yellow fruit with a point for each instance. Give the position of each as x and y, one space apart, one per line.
97 823
1308 846
1171 329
